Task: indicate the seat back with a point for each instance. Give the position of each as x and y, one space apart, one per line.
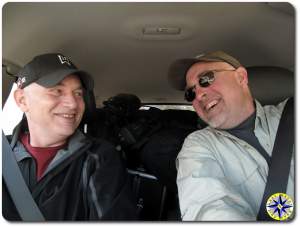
87 124
270 84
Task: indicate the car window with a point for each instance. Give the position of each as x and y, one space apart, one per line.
168 107
11 113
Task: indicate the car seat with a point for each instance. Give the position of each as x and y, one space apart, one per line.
270 84
87 124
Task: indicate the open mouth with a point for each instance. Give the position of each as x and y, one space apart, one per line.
211 105
67 116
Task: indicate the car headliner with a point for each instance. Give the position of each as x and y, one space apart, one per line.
107 39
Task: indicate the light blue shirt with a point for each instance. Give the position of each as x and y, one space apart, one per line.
221 177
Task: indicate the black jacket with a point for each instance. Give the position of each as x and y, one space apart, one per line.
86 181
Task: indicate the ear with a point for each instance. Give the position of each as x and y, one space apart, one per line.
242 76
20 99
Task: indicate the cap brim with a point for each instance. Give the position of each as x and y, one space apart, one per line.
177 72
54 78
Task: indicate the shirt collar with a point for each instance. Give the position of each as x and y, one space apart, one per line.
260 121
76 141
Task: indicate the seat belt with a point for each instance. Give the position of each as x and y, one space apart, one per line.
18 189
278 176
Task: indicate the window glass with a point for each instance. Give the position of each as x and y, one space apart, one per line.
168 107
11 114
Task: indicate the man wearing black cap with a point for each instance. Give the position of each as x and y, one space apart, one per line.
70 176
222 169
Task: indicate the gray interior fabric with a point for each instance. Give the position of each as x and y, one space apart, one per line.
108 39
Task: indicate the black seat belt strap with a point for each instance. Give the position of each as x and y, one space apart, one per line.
278 176
18 189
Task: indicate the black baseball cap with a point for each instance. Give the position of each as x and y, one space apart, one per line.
48 70
179 68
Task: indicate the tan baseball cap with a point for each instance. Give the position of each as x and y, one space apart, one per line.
179 68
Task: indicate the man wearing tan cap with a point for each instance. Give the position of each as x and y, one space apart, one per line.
222 169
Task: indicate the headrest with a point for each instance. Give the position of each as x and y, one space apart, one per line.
123 105
89 116
270 84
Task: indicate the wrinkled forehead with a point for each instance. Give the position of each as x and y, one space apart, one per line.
198 68
73 81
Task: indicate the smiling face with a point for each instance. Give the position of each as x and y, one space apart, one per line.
227 101
53 114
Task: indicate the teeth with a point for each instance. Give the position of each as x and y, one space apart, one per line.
68 115
211 104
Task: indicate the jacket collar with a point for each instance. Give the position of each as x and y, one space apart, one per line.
75 142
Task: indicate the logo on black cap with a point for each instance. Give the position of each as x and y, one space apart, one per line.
64 60
21 81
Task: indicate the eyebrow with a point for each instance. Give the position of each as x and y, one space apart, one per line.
201 74
80 87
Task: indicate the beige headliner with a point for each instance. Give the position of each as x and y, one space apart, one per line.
106 39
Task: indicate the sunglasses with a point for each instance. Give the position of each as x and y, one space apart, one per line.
205 80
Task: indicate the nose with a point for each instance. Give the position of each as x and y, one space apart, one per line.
200 93
70 101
